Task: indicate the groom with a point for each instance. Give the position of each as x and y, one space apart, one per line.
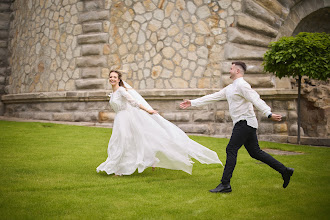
241 99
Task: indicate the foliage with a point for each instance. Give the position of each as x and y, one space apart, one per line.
306 54
48 172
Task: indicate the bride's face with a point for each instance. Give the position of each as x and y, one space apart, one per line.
113 78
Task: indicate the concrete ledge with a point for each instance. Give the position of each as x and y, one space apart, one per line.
311 141
69 96
314 141
154 94
88 124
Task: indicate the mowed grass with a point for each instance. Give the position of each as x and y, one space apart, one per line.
48 172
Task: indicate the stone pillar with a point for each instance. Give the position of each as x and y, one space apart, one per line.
92 63
5 13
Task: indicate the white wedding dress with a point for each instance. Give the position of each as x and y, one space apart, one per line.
140 140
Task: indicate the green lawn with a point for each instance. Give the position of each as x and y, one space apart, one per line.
48 172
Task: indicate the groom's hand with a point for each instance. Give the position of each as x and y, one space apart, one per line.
276 117
185 104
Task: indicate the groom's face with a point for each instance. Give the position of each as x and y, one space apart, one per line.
233 71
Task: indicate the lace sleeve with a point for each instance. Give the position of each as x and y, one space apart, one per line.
128 97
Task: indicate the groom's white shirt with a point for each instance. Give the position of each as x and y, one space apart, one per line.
241 99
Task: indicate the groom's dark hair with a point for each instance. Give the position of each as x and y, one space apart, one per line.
241 64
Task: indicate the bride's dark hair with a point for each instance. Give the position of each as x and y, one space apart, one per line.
121 83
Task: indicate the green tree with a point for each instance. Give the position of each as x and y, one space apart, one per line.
306 54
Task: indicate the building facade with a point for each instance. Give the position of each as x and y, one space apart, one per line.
56 56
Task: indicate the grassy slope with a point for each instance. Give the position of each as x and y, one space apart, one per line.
48 171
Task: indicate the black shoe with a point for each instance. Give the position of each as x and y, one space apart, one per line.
286 176
221 188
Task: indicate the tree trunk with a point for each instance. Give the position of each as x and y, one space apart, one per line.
299 94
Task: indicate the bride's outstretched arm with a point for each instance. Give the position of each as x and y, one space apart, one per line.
134 103
150 111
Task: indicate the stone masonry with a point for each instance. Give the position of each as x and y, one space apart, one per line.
44 46
61 53
5 12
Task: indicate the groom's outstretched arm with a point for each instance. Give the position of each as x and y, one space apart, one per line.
207 99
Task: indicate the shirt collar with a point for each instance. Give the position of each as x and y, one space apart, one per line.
237 80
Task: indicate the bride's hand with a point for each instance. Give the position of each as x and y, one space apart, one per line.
151 112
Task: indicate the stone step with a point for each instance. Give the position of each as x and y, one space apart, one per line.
2 80
7 1
288 3
90 83
93 38
91 61
3 44
90 72
93 5
236 35
243 52
275 7
3 71
2 89
91 49
4 34
4 25
252 8
94 16
5 16
92 27
248 22
3 53
4 6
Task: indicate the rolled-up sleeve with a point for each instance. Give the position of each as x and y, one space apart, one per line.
252 96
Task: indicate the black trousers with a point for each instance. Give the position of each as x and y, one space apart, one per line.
247 136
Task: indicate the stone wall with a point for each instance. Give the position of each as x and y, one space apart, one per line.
71 45
44 46
170 44
62 51
5 12
214 120
316 107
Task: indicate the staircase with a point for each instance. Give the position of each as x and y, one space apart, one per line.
254 28
93 42
5 70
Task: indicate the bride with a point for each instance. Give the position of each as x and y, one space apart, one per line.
141 138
